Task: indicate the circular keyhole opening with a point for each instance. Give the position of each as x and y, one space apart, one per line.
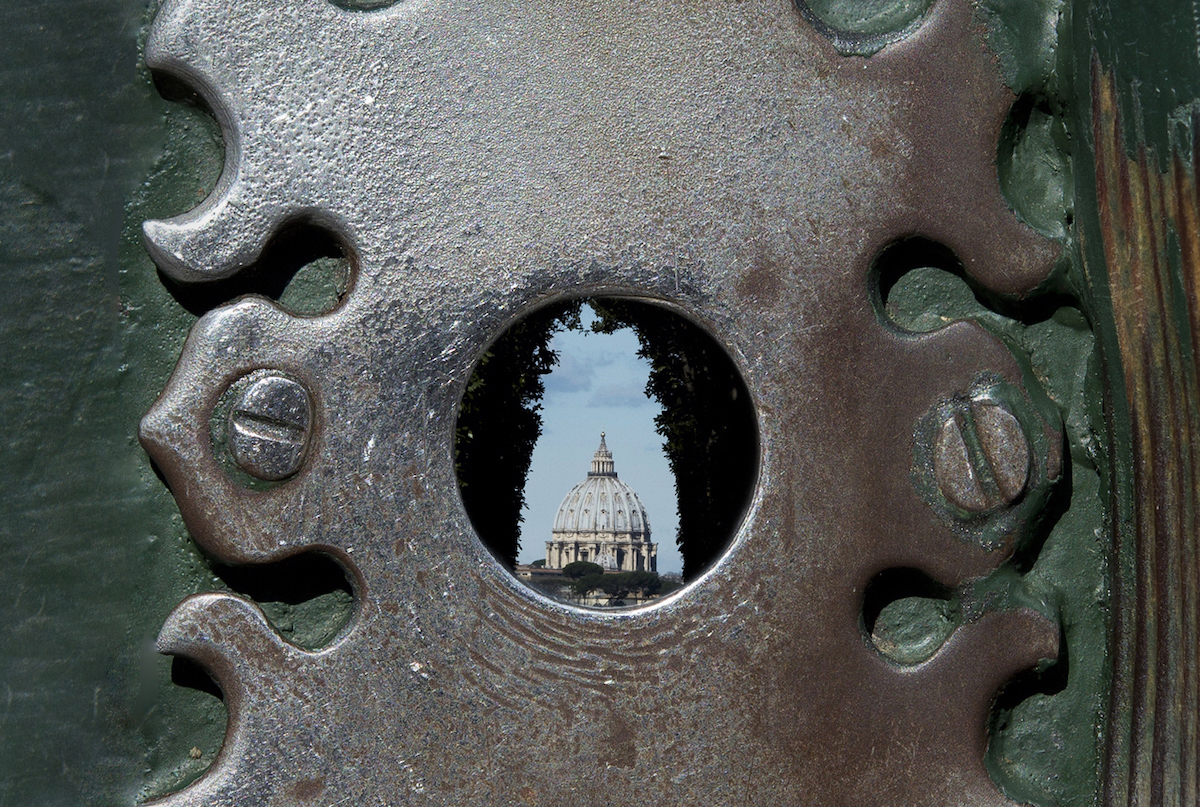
606 450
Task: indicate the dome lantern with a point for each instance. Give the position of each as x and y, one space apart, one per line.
602 461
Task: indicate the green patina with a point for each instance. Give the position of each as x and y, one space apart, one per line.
1034 166
98 555
1038 754
870 17
1028 38
1046 746
911 629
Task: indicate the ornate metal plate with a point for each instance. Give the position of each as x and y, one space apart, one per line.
722 159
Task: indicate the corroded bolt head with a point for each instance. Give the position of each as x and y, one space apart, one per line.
269 426
981 457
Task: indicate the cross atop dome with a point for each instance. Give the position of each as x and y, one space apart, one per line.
602 461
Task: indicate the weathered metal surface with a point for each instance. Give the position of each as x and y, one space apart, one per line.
981 457
269 425
1150 234
723 160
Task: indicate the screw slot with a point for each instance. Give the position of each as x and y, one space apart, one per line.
269 427
981 457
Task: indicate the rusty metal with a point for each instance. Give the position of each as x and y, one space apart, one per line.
981 457
722 160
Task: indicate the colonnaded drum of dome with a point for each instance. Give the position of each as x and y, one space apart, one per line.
600 552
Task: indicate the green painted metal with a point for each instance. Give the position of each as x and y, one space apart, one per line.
872 17
1154 49
96 555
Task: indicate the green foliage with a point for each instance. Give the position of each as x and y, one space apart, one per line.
647 583
618 586
499 422
665 587
592 582
707 423
582 568
540 563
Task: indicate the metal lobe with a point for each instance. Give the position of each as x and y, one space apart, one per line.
477 164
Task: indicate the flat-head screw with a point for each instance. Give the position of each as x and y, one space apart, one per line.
981 457
269 426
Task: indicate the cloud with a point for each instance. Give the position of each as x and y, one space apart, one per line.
618 395
571 374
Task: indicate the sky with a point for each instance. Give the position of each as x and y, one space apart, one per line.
598 386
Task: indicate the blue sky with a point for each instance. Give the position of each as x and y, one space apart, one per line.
598 386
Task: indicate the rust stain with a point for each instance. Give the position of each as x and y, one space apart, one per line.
308 789
762 283
620 748
1151 238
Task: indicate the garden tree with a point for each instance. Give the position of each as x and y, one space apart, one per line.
592 582
540 563
646 583
707 423
582 568
499 423
667 586
618 586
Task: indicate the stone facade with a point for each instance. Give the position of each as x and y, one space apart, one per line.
602 521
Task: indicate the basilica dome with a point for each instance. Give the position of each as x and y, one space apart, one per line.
602 520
